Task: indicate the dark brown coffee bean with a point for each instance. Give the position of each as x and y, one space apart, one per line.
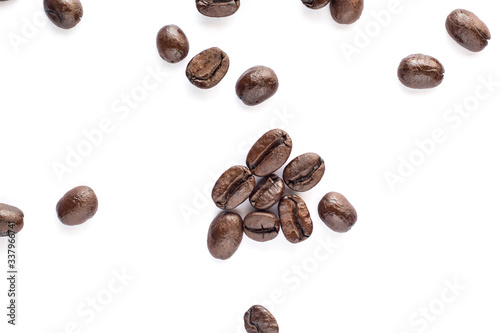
419 71
315 4
346 11
468 30
295 220
269 153
256 85
77 206
172 44
64 13
268 192
337 213
304 172
11 220
208 68
225 235
233 187
258 319
217 8
261 225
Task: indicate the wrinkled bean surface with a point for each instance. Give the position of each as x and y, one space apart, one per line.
64 13
261 225
304 172
77 206
233 187
172 43
267 192
225 235
295 220
269 153
258 319
337 212
217 8
346 11
256 85
419 71
468 30
208 68
10 215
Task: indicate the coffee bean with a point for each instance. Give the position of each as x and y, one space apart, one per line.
269 153
304 172
346 11
295 220
172 44
256 85
11 220
77 206
258 319
468 30
217 8
337 213
419 71
315 4
208 68
64 13
261 225
268 192
225 235
233 187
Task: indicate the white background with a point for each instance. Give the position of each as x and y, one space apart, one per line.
153 171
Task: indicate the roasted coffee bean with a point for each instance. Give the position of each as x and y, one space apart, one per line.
217 8
225 235
11 220
261 225
267 192
64 13
295 220
337 213
258 319
468 30
233 187
304 172
269 153
346 11
172 44
419 71
208 68
77 206
256 85
315 4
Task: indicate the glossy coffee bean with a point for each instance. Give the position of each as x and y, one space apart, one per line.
304 172
267 192
346 11
77 206
419 71
233 187
315 4
256 85
208 68
337 213
261 225
172 44
468 30
217 8
269 153
11 220
225 235
258 319
64 13
295 220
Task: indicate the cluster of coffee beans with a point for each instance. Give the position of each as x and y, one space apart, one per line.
419 71
237 184
258 319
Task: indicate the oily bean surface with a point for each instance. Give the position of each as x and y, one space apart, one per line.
233 187
267 192
225 235
172 43
419 71
346 11
64 13
217 8
337 212
258 319
261 225
468 30
304 172
315 4
269 153
77 206
208 68
257 85
10 215
295 219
